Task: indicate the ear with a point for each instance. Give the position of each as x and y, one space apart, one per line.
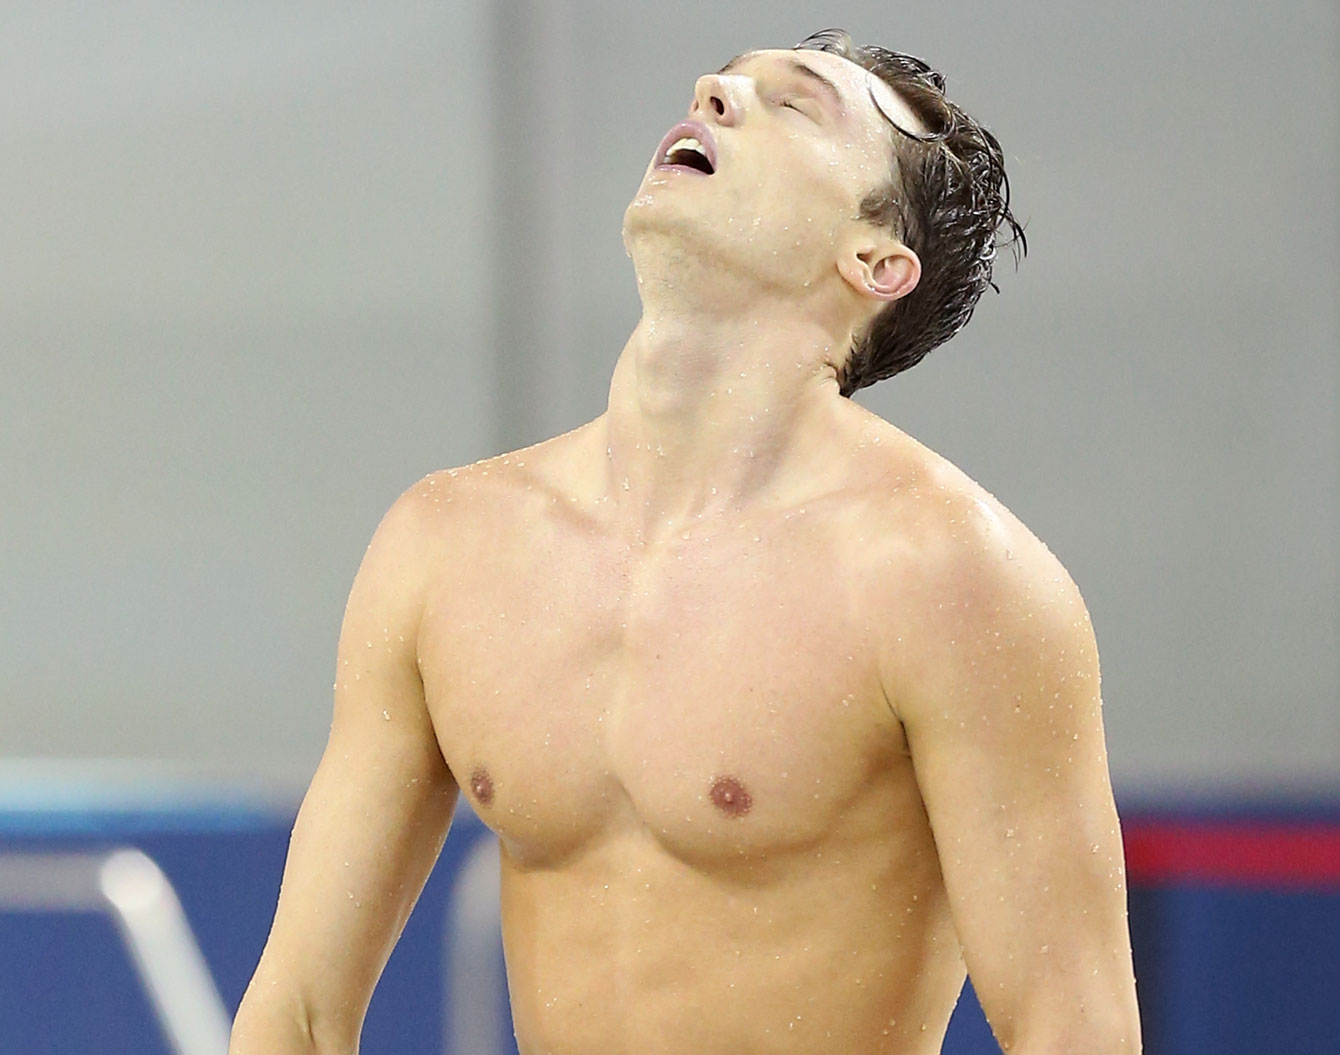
879 267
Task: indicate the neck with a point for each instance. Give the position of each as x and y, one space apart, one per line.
710 414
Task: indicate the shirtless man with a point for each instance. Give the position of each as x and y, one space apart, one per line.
780 719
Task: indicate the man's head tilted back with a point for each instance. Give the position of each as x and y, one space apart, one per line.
834 180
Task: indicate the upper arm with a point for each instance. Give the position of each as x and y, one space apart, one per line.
374 818
1004 723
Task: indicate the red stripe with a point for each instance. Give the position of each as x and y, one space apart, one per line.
1288 855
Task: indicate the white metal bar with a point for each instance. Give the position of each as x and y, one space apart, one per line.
129 887
475 976
166 953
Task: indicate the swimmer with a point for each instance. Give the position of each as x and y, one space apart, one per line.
783 723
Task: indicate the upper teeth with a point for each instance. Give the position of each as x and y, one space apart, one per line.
687 143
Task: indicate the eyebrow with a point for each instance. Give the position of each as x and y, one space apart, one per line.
796 66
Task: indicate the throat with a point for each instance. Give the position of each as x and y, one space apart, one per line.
691 439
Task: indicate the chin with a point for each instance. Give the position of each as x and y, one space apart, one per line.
648 209
651 226
657 213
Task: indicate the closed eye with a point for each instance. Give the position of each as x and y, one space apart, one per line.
790 104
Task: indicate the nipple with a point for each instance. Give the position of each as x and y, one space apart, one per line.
482 785
730 797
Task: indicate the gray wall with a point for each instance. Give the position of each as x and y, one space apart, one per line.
265 267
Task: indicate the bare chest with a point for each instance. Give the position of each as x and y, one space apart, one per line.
720 694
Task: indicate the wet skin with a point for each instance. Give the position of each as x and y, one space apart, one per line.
713 839
762 783
779 718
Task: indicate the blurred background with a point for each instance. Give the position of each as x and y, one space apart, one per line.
265 265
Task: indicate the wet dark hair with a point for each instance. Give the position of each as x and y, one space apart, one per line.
947 199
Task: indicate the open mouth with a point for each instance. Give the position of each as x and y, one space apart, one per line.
689 152
688 145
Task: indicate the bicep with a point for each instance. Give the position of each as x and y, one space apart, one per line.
1008 748
367 836
374 818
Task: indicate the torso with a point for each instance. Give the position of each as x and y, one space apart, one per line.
712 839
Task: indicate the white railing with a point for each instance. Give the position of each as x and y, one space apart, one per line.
126 885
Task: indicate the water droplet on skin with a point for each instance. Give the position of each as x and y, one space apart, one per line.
386 715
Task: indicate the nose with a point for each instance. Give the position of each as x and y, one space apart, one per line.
712 100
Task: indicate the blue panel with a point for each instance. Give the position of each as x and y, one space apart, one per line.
1225 970
1238 808
1149 939
67 985
227 883
406 1013
70 974
1238 971
968 1032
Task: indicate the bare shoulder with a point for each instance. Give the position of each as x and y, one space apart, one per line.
965 539
457 506
969 583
